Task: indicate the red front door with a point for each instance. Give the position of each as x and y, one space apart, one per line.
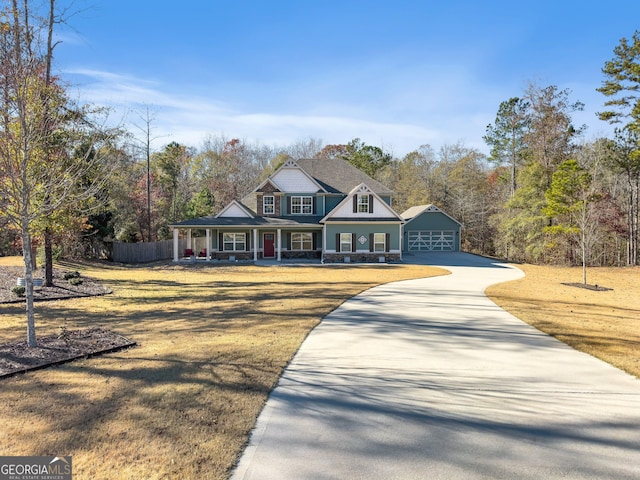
269 245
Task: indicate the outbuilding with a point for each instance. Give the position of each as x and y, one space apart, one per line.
428 229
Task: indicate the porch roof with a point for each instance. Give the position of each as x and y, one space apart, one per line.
363 220
218 222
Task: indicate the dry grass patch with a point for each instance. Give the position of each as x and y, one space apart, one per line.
212 343
605 324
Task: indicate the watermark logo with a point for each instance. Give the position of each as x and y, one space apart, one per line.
35 468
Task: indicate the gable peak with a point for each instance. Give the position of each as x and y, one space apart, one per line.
290 163
361 189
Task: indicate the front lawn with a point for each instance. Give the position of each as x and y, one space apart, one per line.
212 342
603 323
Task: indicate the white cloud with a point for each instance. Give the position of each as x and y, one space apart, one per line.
434 117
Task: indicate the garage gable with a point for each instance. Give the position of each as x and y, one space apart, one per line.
428 228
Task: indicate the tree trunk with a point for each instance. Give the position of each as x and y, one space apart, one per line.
636 229
28 276
584 261
48 258
48 253
632 220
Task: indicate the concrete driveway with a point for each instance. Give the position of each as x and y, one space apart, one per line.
428 379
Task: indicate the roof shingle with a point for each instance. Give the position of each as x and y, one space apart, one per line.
339 176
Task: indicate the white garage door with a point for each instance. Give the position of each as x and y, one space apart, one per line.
431 240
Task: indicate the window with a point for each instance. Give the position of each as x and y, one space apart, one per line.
302 205
301 241
234 242
379 242
345 242
363 203
268 205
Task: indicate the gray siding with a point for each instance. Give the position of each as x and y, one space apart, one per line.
431 221
363 229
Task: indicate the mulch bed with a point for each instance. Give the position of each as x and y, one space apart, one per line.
67 345
60 290
596 288
16 358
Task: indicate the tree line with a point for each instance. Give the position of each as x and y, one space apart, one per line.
71 186
542 195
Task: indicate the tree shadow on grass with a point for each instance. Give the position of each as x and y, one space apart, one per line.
141 406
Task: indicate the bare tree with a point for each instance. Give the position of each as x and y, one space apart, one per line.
230 168
573 201
147 117
309 148
42 171
550 133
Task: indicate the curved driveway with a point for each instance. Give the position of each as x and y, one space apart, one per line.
428 379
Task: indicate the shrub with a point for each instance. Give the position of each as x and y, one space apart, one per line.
19 290
75 281
70 275
63 333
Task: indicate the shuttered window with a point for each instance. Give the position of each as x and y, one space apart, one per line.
363 203
346 242
302 241
301 205
234 242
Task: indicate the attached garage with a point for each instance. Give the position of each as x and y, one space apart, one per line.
429 229
431 240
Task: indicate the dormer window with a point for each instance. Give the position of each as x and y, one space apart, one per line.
268 205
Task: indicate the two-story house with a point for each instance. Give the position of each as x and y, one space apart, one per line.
308 208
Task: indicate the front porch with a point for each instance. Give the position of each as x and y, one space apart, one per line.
248 244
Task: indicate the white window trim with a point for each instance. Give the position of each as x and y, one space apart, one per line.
377 242
235 241
302 241
265 205
344 242
363 203
302 206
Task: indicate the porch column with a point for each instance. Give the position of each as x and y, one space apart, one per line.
324 243
255 244
189 238
176 244
279 245
401 241
208 246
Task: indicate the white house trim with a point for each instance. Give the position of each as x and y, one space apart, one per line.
414 212
381 210
293 178
235 209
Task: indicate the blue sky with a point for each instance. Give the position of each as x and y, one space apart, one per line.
397 74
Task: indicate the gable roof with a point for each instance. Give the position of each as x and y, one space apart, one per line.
362 189
413 212
339 176
235 209
290 165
